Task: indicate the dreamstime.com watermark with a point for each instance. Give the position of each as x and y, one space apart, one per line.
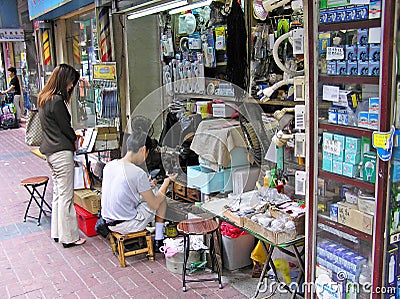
324 284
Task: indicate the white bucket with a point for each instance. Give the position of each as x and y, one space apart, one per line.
175 262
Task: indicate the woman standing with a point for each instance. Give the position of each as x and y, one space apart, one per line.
59 144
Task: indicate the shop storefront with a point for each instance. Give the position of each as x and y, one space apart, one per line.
66 32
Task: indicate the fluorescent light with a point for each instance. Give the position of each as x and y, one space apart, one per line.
156 9
190 6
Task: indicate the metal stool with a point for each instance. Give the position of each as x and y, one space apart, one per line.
31 184
199 227
118 240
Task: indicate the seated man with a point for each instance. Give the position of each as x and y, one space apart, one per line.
128 203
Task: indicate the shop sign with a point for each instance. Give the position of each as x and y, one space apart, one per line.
40 7
105 71
11 35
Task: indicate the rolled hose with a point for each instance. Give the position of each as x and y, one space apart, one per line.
276 57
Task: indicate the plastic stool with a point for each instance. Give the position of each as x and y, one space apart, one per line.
31 184
199 227
118 240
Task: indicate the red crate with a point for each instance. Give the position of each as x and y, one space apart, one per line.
86 221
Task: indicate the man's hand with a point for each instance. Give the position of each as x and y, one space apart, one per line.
172 176
153 183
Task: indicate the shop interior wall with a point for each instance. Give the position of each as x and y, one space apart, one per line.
144 69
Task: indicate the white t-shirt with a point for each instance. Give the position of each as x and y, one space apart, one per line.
121 188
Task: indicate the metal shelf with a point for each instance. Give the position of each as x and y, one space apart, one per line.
347 130
333 79
335 225
350 25
346 180
281 103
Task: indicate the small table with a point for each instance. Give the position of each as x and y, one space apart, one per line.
291 248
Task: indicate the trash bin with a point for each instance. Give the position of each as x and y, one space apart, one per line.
237 246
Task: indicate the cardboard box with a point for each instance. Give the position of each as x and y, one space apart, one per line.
232 217
105 130
88 200
86 221
112 136
274 237
355 219
101 145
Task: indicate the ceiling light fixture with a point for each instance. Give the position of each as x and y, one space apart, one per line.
190 7
156 9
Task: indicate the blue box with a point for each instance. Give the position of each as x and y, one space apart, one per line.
341 68
362 37
337 167
349 170
363 119
206 180
352 144
362 53
323 17
374 53
352 157
333 211
342 117
333 115
352 68
351 13
362 68
351 52
373 121
375 7
327 164
340 15
362 12
331 67
373 105
373 68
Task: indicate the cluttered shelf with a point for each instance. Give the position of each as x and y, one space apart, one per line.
343 228
346 180
348 130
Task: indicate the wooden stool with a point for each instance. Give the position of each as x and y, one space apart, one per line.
199 227
120 239
31 184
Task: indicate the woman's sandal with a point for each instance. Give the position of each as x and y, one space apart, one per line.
76 243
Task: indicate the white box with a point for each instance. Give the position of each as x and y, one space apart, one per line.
223 110
236 251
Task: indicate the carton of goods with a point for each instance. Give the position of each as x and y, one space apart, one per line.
354 218
276 237
293 211
233 217
88 200
101 130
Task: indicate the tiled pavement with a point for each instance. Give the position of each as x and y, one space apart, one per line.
32 265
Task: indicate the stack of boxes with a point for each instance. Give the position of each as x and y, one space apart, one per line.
370 119
106 139
340 259
359 59
87 205
341 154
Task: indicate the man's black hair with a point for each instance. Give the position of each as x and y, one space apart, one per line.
138 139
12 69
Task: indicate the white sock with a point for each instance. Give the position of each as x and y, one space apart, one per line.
159 231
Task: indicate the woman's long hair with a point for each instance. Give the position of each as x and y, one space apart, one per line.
61 76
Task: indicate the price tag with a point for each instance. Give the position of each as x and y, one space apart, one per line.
334 53
332 147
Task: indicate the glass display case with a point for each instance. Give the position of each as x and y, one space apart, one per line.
351 90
